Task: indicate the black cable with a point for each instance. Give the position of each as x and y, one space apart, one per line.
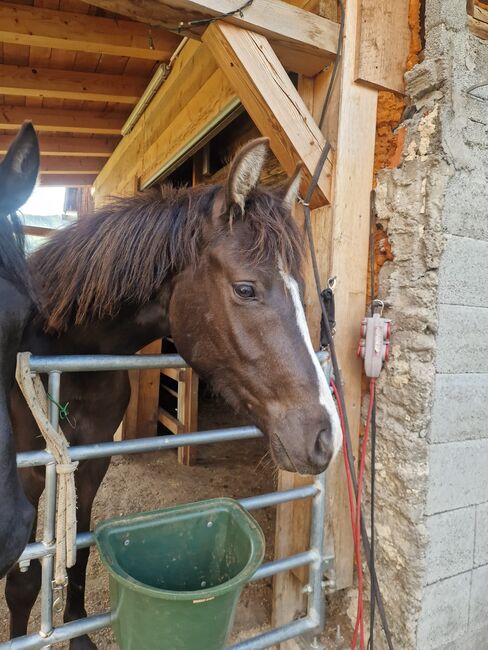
186 26
333 354
335 68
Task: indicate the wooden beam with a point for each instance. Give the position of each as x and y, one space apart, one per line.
70 84
63 121
383 43
341 233
37 231
63 145
349 263
303 41
70 165
66 180
271 100
148 400
36 26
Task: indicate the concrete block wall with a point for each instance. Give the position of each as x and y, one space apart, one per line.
454 606
432 449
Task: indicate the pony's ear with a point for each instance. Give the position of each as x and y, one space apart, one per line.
19 169
293 185
244 172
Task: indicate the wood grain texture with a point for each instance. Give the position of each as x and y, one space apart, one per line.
63 120
66 180
47 28
59 145
148 398
69 84
271 100
70 165
189 102
303 41
37 231
349 247
383 44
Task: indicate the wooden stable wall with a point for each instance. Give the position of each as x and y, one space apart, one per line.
233 64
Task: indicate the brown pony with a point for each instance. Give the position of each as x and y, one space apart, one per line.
219 269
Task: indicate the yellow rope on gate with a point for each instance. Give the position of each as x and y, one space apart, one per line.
37 400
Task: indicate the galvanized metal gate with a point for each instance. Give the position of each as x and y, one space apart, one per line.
48 635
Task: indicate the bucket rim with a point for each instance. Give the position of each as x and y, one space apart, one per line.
120 575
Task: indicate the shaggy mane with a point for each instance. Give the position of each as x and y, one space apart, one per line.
123 253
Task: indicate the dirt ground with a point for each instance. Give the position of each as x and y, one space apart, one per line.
150 481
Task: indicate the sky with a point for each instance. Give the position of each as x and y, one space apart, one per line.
45 201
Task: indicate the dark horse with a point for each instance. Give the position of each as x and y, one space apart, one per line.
219 269
18 174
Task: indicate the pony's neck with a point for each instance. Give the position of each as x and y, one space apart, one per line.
128 332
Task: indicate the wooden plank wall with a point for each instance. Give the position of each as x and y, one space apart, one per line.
194 94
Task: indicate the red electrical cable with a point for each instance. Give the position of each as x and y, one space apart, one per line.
355 507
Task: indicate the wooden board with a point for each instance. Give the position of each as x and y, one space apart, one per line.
188 413
47 28
383 43
61 145
70 165
349 260
37 231
303 41
190 102
148 399
271 100
69 84
66 180
64 120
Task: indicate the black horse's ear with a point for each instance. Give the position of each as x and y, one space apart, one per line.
244 172
19 169
293 185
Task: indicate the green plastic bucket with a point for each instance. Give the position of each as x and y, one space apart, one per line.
176 574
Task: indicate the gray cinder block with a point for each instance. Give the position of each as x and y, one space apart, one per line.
451 543
460 410
444 615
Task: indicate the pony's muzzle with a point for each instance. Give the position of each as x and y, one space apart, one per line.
304 440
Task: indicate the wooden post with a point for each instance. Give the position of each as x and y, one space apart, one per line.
345 234
148 396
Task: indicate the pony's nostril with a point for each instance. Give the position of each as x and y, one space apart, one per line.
323 447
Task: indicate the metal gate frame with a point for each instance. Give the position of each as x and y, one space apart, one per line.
48 635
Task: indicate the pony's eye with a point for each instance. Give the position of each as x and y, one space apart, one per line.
245 291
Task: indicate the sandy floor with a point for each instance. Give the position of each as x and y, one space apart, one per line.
147 482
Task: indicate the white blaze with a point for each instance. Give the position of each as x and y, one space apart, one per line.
325 396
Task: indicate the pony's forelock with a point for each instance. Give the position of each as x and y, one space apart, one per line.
123 253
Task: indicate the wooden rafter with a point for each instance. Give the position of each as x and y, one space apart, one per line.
270 98
37 231
64 145
70 84
70 165
83 33
303 41
67 180
64 120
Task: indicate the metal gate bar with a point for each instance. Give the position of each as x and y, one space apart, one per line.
44 550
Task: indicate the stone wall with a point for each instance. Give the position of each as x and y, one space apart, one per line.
433 396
